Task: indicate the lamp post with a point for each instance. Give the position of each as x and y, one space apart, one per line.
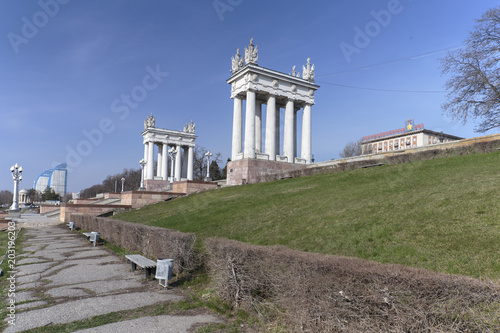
123 182
16 171
208 155
142 163
172 153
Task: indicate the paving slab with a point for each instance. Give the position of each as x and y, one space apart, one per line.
32 248
33 268
33 260
106 287
28 278
67 291
156 324
86 308
82 281
30 305
80 273
23 296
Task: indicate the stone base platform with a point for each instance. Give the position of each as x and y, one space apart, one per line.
249 171
192 186
157 185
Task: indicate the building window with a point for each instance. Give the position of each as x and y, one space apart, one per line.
414 141
430 140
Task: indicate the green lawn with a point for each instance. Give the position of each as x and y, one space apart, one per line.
440 214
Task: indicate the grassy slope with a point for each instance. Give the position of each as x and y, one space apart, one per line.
440 214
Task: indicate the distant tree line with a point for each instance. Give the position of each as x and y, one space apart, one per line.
113 183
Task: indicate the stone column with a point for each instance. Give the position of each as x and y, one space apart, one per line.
271 128
237 128
295 134
151 161
288 145
190 164
159 161
250 125
178 164
306 134
164 163
258 127
278 134
184 163
146 152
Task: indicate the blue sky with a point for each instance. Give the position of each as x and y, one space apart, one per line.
67 65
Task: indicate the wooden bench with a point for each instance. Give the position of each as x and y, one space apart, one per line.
137 260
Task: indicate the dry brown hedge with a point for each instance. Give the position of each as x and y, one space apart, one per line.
324 293
152 242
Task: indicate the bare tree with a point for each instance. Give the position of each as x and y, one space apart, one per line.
475 75
200 162
352 148
5 197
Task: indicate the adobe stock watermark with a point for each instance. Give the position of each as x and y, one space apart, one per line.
30 27
121 107
363 36
11 257
222 6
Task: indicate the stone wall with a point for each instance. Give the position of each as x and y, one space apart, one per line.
112 195
85 201
137 199
157 185
248 171
68 209
192 186
47 208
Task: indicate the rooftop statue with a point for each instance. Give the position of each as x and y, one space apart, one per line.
149 122
251 53
237 62
189 128
308 71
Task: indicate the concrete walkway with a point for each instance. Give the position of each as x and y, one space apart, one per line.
62 278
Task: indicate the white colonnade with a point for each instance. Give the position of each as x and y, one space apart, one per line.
259 86
181 152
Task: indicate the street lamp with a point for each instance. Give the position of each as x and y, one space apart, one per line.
208 155
123 182
142 163
16 171
172 151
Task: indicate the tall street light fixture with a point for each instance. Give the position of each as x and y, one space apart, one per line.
16 171
142 162
208 155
